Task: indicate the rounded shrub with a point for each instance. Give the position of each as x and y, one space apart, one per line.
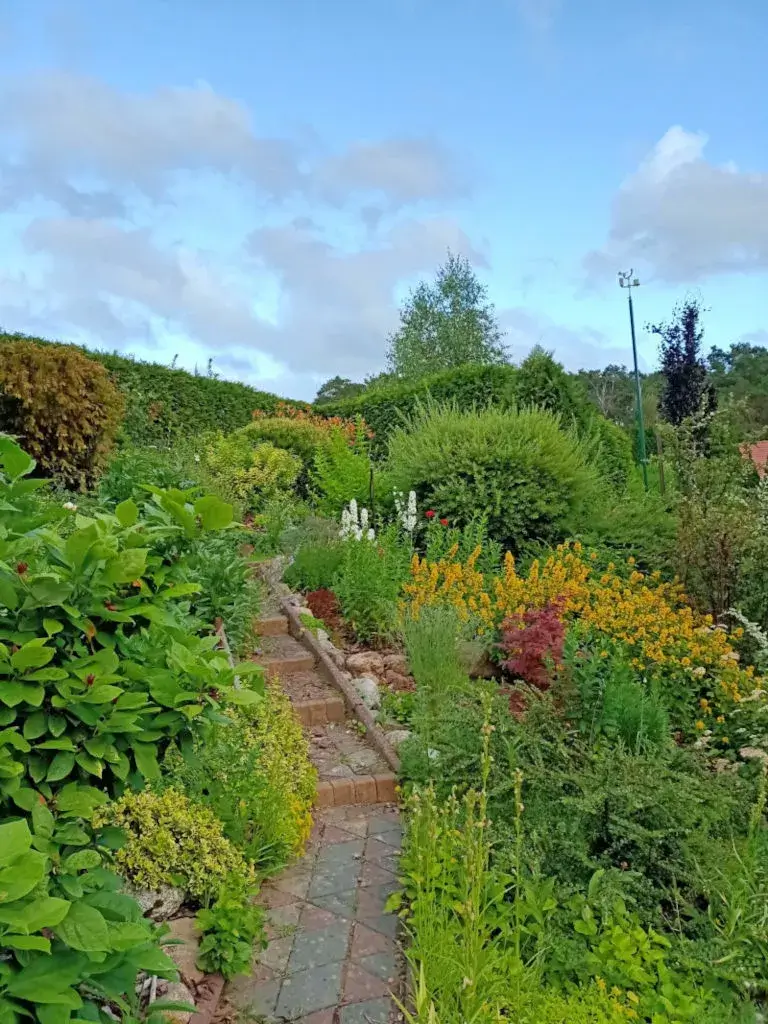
518 469
171 840
62 406
250 470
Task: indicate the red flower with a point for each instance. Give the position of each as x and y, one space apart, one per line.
430 513
443 522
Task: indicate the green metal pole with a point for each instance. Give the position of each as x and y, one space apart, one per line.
638 396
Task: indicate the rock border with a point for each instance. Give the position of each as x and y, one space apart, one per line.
292 610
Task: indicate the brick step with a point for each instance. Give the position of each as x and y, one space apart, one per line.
283 656
362 789
271 625
320 711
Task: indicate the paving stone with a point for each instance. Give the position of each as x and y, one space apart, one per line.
297 885
357 825
270 898
360 984
386 924
308 991
341 903
332 878
340 853
373 899
383 965
281 920
373 1011
333 834
313 918
366 942
276 955
240 989
378 851
324 946
261 1000
393 838
319 1017
375 874
384 823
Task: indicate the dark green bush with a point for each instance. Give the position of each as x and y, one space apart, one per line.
315 565
383 407
62 407
542 381
519 470
611 450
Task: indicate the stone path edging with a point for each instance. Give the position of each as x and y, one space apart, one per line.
305 637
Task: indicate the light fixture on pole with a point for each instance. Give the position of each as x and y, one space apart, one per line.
628 281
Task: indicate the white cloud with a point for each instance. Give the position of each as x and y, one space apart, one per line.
682 218
575 348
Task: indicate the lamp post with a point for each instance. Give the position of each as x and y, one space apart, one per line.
626 280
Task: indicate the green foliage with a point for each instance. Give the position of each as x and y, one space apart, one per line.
446 325
253 772
131 469
335 388
62 405
519 470
542 382
169 840
368 583
385 407
231 927
227 587
687 391
341 472
97 677
303 437
252 471
611 450
315 565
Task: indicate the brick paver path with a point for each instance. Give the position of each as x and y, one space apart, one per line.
332 957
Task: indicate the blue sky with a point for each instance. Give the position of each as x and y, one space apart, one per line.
260 182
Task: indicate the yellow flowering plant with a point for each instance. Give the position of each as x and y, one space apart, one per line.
662 633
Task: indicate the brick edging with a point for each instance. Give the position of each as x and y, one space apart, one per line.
356 705
205 1010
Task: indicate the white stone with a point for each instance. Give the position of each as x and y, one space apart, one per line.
176 992
398 736
368 689
159 904
363 761
185 950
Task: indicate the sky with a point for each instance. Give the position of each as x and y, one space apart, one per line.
260 182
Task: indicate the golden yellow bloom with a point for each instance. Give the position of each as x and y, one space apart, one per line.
699 724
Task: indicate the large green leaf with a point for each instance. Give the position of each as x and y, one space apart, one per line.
49 979
15 839
32 655
127 566
127 513
80 801
8 594
15 461
214 513
13 694
84 928
61 766
46 912
21 876
146 760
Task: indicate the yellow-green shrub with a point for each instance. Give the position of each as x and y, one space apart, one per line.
172 841
62 406
252 471
273 727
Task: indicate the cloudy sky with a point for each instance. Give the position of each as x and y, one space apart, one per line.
260 181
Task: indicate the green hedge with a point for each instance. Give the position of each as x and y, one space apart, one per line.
383 407
162 403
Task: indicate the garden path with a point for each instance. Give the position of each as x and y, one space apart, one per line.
333 955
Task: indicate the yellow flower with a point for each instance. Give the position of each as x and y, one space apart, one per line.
700 724
720 719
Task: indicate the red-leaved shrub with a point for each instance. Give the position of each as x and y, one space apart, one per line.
532 644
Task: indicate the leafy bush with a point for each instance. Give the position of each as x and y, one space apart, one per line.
228 589
532 644
253 772
253 471
80 677
172 841
231 927
63 407
519 470
341 472
384 407
611 450
315 566
541 382
131 469
368 583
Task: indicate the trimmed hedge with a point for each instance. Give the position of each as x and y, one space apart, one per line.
384 407
163 403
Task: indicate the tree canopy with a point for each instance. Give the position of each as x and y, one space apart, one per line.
447 324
